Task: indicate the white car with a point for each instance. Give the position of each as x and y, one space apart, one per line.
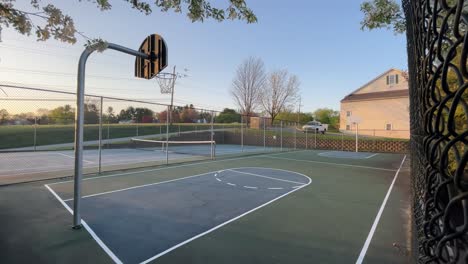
315 126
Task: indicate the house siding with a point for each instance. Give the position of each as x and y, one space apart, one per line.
380 85
376 109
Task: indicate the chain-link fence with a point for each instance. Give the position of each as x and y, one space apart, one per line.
438 78
37 135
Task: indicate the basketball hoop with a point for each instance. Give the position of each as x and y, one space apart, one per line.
166 82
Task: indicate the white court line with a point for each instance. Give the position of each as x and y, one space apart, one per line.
262 176
225 223
275 188
368 157
250 187
217 179
139 186
377 218
71 157
232 184
161 168
331 163
88 228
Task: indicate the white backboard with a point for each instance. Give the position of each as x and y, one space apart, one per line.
353 120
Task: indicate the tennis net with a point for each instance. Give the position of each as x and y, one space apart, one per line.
195 148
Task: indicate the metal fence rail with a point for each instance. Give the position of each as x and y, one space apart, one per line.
437 54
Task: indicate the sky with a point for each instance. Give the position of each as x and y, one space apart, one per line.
319 41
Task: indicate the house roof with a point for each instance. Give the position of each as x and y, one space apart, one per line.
403 73
376 95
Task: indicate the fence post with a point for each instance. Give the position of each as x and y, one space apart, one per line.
212 134
307 139
357 137
315 139
108 132
242 133
295 136
35 133
264 134
342 142
136 128
167 135
100 138
281 135
179 129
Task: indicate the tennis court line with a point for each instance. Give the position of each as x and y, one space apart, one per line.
262 176
227 222
368 157
377 218
71 157
329 163
88 228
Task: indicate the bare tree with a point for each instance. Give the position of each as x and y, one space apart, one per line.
248 84
279 93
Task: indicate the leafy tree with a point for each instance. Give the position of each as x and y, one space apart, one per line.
110 116
62 115
189 115
47 20
143 115
3 116
162 116
127 114
327 116
91 114
228 116
383 14
43 114
291 116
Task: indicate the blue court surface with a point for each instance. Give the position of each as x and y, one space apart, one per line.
158 218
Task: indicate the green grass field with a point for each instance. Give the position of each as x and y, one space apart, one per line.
23 136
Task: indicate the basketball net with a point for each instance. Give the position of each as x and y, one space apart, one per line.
166 82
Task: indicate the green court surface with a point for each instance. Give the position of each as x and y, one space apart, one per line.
250 209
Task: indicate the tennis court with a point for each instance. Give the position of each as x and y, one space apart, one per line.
288 207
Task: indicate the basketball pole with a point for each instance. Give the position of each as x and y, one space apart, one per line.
172 91
79 122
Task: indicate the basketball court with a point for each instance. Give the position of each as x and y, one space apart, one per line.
281 207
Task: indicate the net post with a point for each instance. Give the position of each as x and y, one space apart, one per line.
167 135
35 133
100 137
211 135
281 135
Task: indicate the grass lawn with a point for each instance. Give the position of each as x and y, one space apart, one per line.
23 135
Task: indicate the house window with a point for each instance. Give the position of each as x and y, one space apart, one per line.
348 127
392 79
388 127
348 113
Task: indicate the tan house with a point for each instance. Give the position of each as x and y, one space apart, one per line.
378 108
